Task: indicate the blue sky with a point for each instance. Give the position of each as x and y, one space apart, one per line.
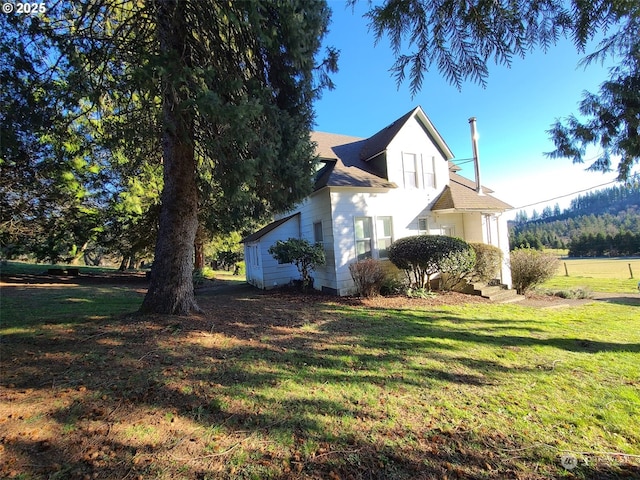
513 112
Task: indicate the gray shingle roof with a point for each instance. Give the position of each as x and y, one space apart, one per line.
266 229
346 165
379 142
343 167
461 194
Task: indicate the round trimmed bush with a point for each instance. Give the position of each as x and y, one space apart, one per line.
422 256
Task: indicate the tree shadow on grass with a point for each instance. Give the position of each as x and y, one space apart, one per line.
402 329
239 394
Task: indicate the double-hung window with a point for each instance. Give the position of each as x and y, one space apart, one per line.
370 240
384 236
428 172
318 236
410 169
364 237
423 226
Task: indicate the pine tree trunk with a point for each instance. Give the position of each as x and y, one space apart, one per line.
201 235
171 284
199 247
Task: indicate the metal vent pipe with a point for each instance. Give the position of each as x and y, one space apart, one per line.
476 155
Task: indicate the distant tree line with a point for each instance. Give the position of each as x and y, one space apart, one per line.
601 245
601 223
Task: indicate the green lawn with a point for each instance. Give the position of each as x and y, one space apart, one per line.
609 275
278 386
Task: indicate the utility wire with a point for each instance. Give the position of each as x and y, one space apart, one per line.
566 195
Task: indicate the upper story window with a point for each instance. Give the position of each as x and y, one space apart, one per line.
410 170
428 172
418 171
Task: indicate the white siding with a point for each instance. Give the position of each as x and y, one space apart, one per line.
412 139
337 207
253 264
404 207
473 227
268 273
315 208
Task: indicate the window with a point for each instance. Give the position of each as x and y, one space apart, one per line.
428 172
410 170
363 230
318 236
384 235
448 230
423 225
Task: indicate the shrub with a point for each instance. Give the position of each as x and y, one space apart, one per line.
393 285
368 275
488 262
419 293
531 267
417 257
422 256
456 265
577 293
302 254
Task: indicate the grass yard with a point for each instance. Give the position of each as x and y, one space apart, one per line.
610 275
277 386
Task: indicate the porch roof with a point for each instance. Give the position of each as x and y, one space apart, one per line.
461 194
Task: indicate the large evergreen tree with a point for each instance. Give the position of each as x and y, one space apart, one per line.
220 92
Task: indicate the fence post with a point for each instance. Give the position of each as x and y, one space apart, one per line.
566 272
630 271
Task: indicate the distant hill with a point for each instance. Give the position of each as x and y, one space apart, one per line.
601 223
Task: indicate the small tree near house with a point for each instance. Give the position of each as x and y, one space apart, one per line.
304 255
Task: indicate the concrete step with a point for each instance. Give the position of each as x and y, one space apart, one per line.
506 296
495 293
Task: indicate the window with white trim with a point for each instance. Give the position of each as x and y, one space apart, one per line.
363 230
428 172
423 225
448 230
410 170
384 236
318 236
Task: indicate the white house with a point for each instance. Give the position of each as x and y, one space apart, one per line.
371 191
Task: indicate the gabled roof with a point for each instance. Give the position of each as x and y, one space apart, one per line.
343 167
326 142
266 229
461 194
379 142
346 164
